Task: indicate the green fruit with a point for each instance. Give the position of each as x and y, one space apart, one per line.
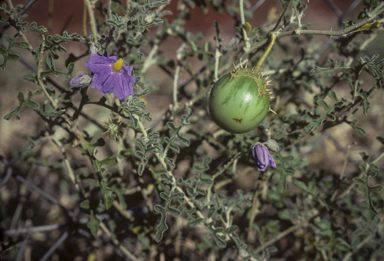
239 101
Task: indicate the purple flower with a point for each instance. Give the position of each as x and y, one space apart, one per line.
111 75
262 157
81 81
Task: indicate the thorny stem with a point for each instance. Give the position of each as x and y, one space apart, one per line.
150 59
282 15
179 56
217 52
40 69
66 162
109 6
379 9
92 20
245 34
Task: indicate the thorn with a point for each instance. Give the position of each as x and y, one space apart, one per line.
272 110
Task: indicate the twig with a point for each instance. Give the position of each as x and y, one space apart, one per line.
92 20
117 243
39 71
245 33
61 239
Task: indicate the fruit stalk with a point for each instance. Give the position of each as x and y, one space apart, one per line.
257 68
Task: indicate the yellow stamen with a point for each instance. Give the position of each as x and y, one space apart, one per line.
118 65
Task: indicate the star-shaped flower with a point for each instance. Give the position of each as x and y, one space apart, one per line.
262 157
111 75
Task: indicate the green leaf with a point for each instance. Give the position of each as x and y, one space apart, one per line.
107 194
120 195
195 222
34 28
110 161
303 186
285 214
94 223
162 226
174 211
85 204
7 53
30 77
24 102
376 188
359 181
358 129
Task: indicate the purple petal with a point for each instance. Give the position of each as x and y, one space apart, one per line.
112 84
262 154
99 68
100 78
109 81
271 161
102 59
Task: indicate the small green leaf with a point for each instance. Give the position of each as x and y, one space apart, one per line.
85 204
376 188
195 222
303 186
107 193
162 226
24 102
359 181
174 211
30 77
94 223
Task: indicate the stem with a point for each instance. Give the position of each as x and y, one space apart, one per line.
117 243
282 15
66 162
217 52
39 70
379 9
85 19
25 39
257 68
345 161
92 20
109 4
245 34
179 56
280 236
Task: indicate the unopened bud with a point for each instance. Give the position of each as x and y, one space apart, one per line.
93 49
81 81
272 145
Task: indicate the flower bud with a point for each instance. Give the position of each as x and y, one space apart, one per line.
262 157
272 145
81 81
93 49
